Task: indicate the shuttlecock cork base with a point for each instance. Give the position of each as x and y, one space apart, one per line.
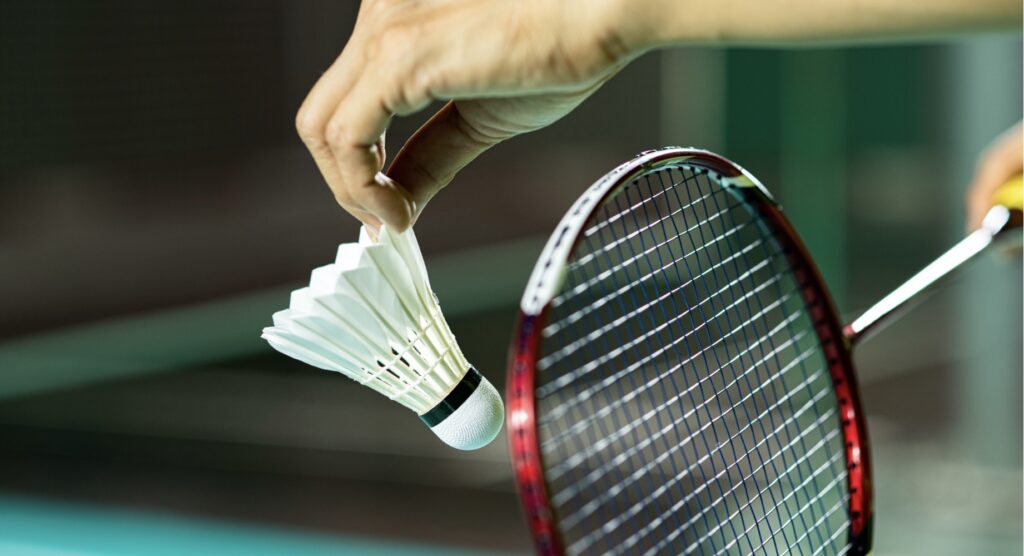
373 317
470 416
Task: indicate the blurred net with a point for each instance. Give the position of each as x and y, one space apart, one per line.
684 404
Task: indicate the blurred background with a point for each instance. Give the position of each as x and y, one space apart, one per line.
156 207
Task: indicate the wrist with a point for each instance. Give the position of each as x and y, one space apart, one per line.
648 24
618 26
629 24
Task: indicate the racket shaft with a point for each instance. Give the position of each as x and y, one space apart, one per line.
996 222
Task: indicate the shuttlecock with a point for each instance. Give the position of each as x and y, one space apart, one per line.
373 317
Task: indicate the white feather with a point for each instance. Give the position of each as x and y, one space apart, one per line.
372 316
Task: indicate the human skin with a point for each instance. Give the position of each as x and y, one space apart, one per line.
1000 162
507 67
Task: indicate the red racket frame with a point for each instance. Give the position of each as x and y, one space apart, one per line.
521 416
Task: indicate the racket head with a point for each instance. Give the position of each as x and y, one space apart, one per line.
592 472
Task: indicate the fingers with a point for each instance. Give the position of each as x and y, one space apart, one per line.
311 124
402 55
444 145
343 122
464 129
1001 162
354 136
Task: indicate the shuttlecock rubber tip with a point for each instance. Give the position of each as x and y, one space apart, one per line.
470 417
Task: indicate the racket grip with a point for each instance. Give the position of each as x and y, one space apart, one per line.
1010 194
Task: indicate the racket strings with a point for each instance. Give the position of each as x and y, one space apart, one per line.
663 327
577 427
708 223
604 275
654 303
589 507
789 399
563 408
593 475
590 257
684 403
775 271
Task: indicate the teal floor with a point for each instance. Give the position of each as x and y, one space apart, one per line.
35 527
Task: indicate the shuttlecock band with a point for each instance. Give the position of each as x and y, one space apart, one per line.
454 400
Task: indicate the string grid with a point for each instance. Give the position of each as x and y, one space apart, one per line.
684 405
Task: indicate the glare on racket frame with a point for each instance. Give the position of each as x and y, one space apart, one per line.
679 381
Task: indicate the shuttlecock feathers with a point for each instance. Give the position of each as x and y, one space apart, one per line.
372 316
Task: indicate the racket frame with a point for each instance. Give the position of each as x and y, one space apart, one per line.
544 283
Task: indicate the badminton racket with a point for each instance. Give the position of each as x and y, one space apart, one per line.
680 381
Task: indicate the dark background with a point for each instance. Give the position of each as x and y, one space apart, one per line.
156 207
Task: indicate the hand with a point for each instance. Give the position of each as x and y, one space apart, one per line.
1000 162
508 67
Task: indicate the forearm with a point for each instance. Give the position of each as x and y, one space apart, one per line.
781 22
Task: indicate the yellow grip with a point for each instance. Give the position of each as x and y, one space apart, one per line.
1010 194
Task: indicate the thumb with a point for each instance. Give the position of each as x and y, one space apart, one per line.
432 157
388 201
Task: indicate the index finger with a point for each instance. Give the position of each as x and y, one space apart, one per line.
352 133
